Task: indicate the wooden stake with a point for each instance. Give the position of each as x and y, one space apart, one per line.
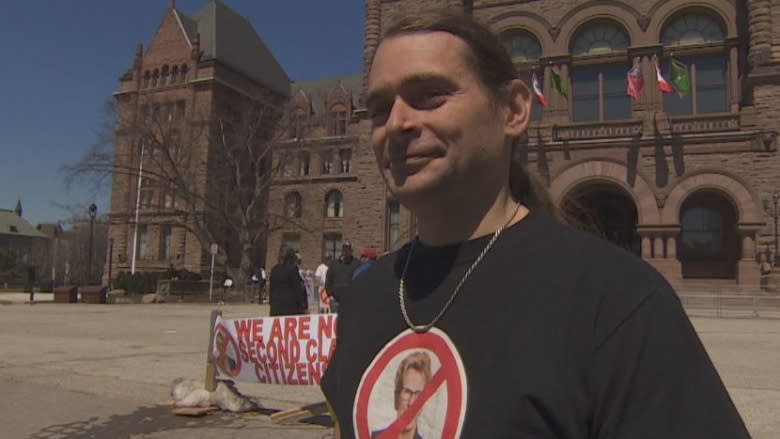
211 369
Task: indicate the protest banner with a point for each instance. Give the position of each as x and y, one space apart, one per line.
274 350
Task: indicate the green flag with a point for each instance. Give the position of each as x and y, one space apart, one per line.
680 78
557 83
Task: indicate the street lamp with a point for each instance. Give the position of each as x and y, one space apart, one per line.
92 213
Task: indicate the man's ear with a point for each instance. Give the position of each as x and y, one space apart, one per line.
518 108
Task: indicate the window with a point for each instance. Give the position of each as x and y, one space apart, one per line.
331 246
165 242
167 110
155 77
175 75
184 73
599 91
333 204
522 46
707 65
327 162
156 112
524 49
165 75
180 109
286 165
297 120
393 224
147 77
141 244
145 113
291 241
709 245
602 38
304 164
338 123
292 205
147 193
345 156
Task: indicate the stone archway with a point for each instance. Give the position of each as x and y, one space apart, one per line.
746 203
709 246
613 172
607 210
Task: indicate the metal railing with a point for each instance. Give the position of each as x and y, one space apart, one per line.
731 305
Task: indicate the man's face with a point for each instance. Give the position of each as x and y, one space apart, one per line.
435 126
413 383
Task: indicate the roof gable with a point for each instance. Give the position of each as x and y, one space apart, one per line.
14 225
232 40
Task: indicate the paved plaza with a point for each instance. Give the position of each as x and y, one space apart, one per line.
103 371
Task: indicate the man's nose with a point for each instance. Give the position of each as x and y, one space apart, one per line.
401 117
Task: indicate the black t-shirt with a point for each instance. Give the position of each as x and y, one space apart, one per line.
555 334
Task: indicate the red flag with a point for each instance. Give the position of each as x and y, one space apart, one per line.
661 83
538 90
634 81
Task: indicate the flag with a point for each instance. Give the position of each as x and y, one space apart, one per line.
679 76
538 90
557 83
660 81
634 81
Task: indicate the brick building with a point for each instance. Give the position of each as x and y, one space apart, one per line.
195 69
686 182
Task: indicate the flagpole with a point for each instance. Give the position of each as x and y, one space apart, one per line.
137 207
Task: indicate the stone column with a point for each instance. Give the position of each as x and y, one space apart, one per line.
760 25
748 271
748 247
373 28
647 247
671 247
658 248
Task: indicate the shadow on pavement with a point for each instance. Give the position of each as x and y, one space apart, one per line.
145 420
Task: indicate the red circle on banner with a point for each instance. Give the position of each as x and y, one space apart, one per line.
222 360
450 373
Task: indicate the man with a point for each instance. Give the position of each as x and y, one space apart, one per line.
320 276
287 290
412 375
543 331
339 275
367 258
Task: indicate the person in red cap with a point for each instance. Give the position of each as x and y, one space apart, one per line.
367 258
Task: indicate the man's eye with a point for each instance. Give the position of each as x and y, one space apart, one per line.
431 98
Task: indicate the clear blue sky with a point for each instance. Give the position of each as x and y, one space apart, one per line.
62 60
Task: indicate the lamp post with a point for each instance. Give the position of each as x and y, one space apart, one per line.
775 202
92 213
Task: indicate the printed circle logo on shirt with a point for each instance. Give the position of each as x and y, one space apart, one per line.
226 354
415 387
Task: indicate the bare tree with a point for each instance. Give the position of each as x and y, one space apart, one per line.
209 173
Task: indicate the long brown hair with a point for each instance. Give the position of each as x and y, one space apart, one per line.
493 66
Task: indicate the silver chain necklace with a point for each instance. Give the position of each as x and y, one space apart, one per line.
402 286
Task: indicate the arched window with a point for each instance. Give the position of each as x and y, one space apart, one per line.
175 75
292 205
338 120
334 204
155 77
165 75
522 46
525 50
147 77
698 39
599 91
305 162
184 73
709 245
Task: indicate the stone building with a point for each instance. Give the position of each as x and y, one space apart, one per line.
195 69
686 183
